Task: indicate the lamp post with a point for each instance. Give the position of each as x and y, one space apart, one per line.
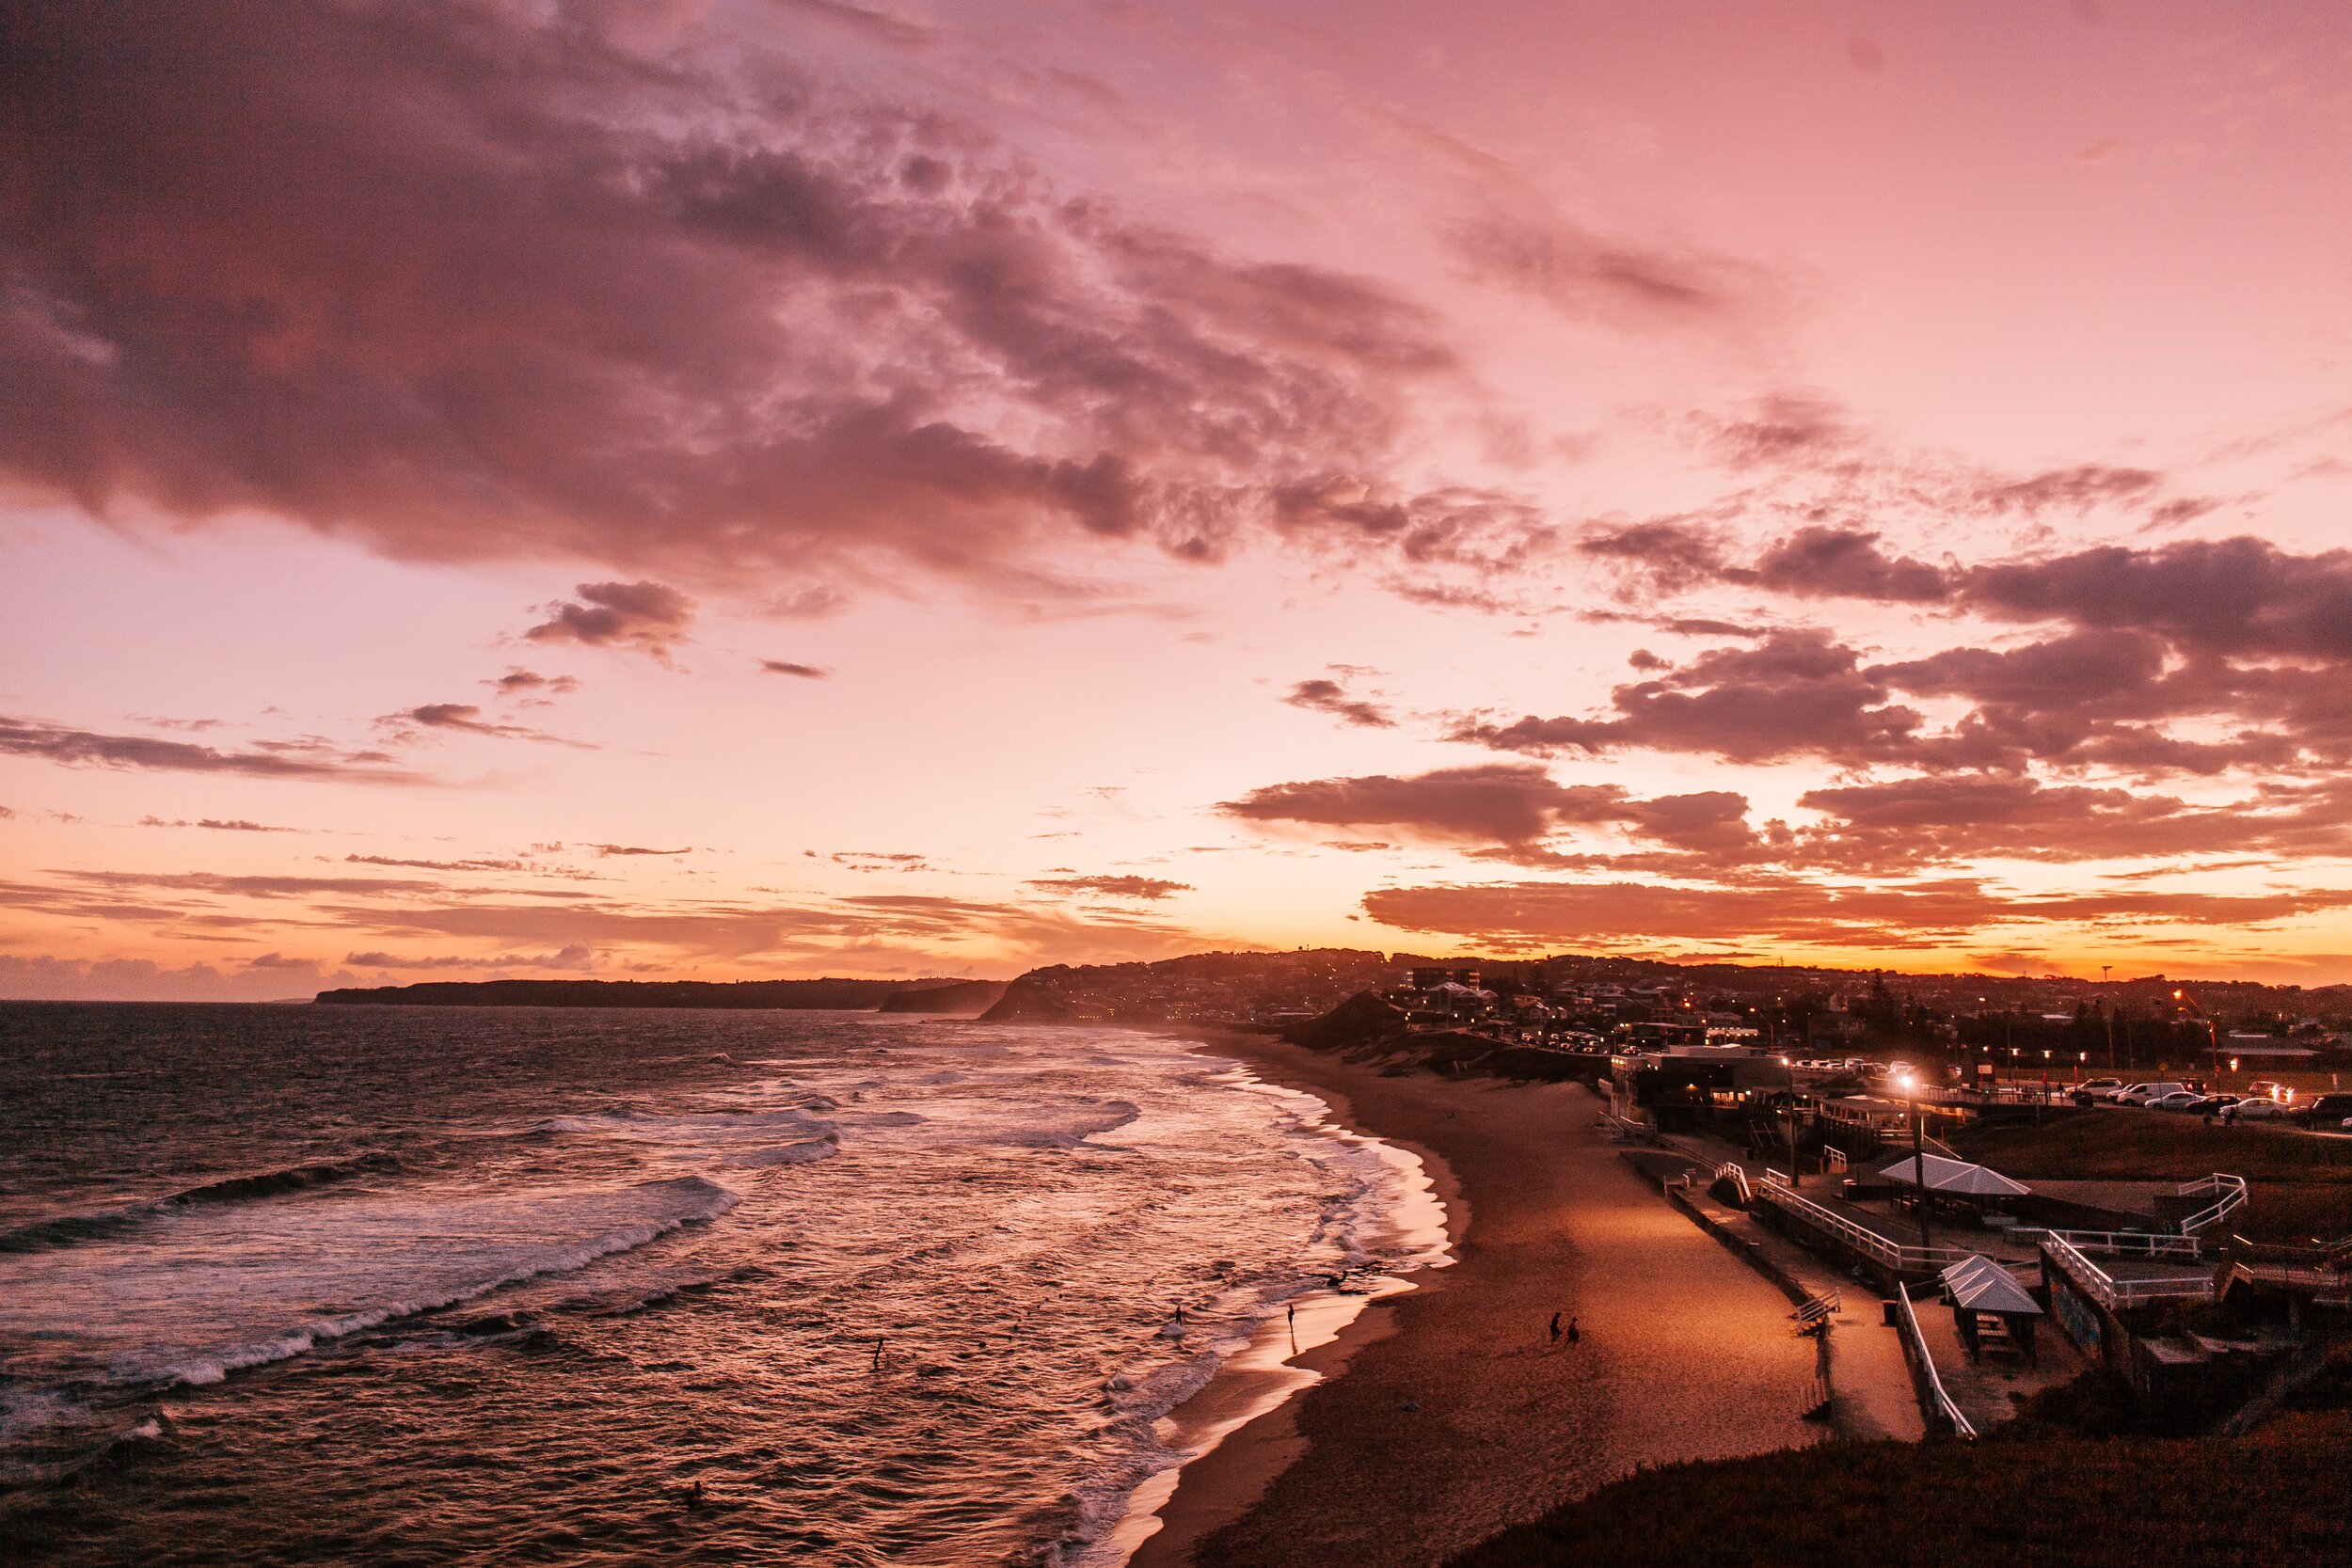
1788 1073
1918 1158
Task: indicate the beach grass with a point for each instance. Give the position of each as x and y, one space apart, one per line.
2039 1493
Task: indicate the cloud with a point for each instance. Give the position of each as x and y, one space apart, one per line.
575 957
803 672
1496 803
1151 888
1587 277
270 978
1330 696
85 748
1798 693
531 687
639 294
605 852
646 617
224 825
1521 916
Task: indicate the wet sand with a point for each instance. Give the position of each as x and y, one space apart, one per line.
1456 1416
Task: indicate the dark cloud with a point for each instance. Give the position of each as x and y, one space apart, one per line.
1152 887
266 760
781 667
1330 696
606 851
224 825
647 617
1497 804
530 687
438 865
1798 693
477 280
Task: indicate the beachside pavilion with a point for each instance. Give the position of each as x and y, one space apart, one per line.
1991 1310
1948 1183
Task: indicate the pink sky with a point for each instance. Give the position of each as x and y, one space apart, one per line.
788 487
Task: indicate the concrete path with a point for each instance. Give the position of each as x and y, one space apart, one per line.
1870 1389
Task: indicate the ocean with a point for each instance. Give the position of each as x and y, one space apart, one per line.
304 1284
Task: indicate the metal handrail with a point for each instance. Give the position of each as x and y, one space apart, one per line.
1895 1254
1944 1404
2133 1244
1731 1171
2232 1198
2113 1293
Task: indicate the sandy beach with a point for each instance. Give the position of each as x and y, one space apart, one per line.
1446 1413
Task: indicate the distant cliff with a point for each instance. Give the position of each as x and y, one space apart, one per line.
1212 988
967 997
844 995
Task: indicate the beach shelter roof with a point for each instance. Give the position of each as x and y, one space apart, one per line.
1980 1284
1952 1177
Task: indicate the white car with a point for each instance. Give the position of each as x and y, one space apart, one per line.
2147 1094
2255 1110
2187 1100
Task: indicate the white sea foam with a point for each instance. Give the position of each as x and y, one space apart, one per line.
240 1288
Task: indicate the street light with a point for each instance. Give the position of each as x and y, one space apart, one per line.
1918 1157
1789 1074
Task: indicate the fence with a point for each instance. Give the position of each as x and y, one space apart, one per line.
2067 1249
2229 1195
1939 1403
1893 1254
1731 1171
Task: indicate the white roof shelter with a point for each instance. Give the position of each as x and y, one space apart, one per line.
1952 1178
1980 1284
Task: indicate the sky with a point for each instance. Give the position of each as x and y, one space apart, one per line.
750 488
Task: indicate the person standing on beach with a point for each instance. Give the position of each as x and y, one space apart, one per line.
1573 1334
1556 1328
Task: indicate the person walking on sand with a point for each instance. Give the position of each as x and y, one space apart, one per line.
1556 1328
1573 1334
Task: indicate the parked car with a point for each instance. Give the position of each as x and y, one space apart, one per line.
2142 1094
2256 1110
2097 1089
2184 1100
2327 1110
2216 1103
2269 1088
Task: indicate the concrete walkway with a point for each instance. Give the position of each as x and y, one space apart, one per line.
1869 1381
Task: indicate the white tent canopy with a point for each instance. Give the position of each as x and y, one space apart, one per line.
1980 1284
1952 1178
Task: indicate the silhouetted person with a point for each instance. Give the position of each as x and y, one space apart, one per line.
1573 1334
1556 1328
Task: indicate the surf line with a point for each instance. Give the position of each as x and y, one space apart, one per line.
1264 1375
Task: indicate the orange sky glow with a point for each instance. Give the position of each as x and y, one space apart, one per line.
738 488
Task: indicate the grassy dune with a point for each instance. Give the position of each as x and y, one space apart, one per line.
2040 1493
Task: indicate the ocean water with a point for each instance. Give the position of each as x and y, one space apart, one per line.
323 1285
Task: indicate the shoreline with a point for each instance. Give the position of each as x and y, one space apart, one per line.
1242 1408
1442 1412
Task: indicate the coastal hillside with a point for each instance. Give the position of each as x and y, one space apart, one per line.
956 999
1197 988
837 995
